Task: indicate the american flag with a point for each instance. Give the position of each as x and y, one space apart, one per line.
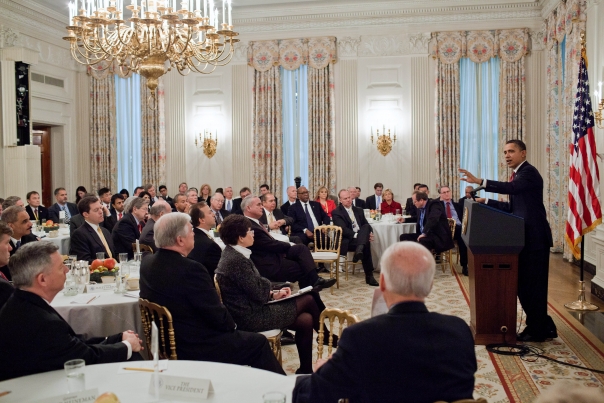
584 212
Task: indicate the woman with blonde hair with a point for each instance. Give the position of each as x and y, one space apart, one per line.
205 193
389 206
327 204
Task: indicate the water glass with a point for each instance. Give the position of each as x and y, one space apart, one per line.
274 397
138 257
100 255
123 258
76 380
398 212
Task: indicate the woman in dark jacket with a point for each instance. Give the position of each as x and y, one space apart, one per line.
246 293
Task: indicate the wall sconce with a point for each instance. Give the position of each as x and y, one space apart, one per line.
208 143
598 113
384 142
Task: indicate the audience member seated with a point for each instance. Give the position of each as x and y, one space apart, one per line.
323 199
228 199
413 211
455 211
280 261
274 218
264 189
307 215
36 211
6 288
125 193
182 188
205 193
374 201
160 207
128 229
355 194
192 197
12 201
181 204
408 354
150 189
292 197
80 193
54 211
389 206
206 250
105 197
356 234
18 221
217 207
91 237
246 293
78 220
116 211
243 193
468 195
432 229
137 191
163 192
409 204
203 328
34 337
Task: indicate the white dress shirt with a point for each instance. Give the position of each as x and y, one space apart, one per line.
312 215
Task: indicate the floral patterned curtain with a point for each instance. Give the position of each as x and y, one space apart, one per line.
103 129
153 135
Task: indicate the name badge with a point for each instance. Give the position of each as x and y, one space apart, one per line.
85 396
178 386
92 288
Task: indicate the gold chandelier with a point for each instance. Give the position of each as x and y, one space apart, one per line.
157 39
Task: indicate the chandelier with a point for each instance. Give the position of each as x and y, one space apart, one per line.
156 39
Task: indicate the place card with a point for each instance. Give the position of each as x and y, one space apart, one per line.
178 386
89 395
109 287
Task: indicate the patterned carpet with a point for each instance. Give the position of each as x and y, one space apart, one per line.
499 378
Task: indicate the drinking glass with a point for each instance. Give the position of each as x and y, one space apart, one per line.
398 212
76 380
274 397
138 257
100 255
123 258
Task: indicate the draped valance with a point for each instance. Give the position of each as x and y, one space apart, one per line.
560 22
291 53
479 46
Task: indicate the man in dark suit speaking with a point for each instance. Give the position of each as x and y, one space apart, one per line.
526 200
415 346
34 337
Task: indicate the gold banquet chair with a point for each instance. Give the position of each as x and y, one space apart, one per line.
327 239
349 262
345 318
272 336
446 257
151 312
144 248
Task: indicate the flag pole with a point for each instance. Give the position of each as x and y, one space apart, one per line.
581 304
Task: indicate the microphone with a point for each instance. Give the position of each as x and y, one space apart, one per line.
478 189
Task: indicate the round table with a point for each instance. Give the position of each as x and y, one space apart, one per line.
63 241
385 233
232 383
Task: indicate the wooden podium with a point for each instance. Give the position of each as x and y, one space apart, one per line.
494 239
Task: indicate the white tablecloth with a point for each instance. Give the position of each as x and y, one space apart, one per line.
384 235
232 383
63 241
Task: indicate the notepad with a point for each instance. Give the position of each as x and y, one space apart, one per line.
301 292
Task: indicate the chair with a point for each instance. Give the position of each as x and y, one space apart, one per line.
479 400
327 240
348 261
107 397
447 256
151 312
143 248
273 336
344 318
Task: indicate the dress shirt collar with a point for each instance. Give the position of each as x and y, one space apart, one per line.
208 233
254 220
268 213
14 240
95 227
518 167
244 251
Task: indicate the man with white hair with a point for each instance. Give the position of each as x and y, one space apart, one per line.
356 200
160 207
204 329
217 207
292 197
406 349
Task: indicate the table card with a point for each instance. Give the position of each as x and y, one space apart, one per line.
89 395
178 386
109 287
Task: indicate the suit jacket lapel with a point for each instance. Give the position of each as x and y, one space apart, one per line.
94 235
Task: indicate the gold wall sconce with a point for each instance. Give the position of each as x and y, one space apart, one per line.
600 105
384 142
207 143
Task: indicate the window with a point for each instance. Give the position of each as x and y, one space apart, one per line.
128 118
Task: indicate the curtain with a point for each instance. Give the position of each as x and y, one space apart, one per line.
103 150
295 125
153 135
128 102
479 114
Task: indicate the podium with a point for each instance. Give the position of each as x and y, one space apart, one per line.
494 238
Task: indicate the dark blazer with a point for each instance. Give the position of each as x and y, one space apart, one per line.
526 201
111 220
206 251
435 345
35 339
358 202
78 220
6 290
53 211
285 207
341 219
278 214
462 201
267 253
436 225
124 234
146 237
370 202
42 212
296 211
409 206
223 213
236 209
85 243
24 239
245 293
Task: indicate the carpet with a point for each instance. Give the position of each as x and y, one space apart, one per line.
499 378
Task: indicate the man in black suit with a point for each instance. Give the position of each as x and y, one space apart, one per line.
412 211
159 208
129 228
356 233
455 211
17 219
307 215
526 200
280 261
374 201
243 193
36 211
275 219
468 195
356 200
91 237
292 197
203 327
217 207
105 197
206 250
54 211
432 229
409 204
116 211
34 337
435 345
264 189
228 199
163 192
6 288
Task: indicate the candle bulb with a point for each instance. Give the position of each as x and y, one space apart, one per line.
205 8
223 13
600 89
230 12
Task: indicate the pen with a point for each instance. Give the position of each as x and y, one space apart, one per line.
141 369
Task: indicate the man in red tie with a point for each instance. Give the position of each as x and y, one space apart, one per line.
455 211
116 210
36 211
129 228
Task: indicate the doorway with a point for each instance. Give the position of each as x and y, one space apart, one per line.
41 138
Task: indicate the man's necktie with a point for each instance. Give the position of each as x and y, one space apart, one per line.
228 205
513 175
218 217
309 224
422 212
104 241
271 218
67 213
355 228
36 214
140 227
119 216
449 215
17 245
3 276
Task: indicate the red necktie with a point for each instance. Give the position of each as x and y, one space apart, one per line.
449 210
512 177
140 227
119 216
3 276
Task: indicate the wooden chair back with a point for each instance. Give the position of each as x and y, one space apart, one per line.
217 287
328 238
345 319
151 312
144 248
